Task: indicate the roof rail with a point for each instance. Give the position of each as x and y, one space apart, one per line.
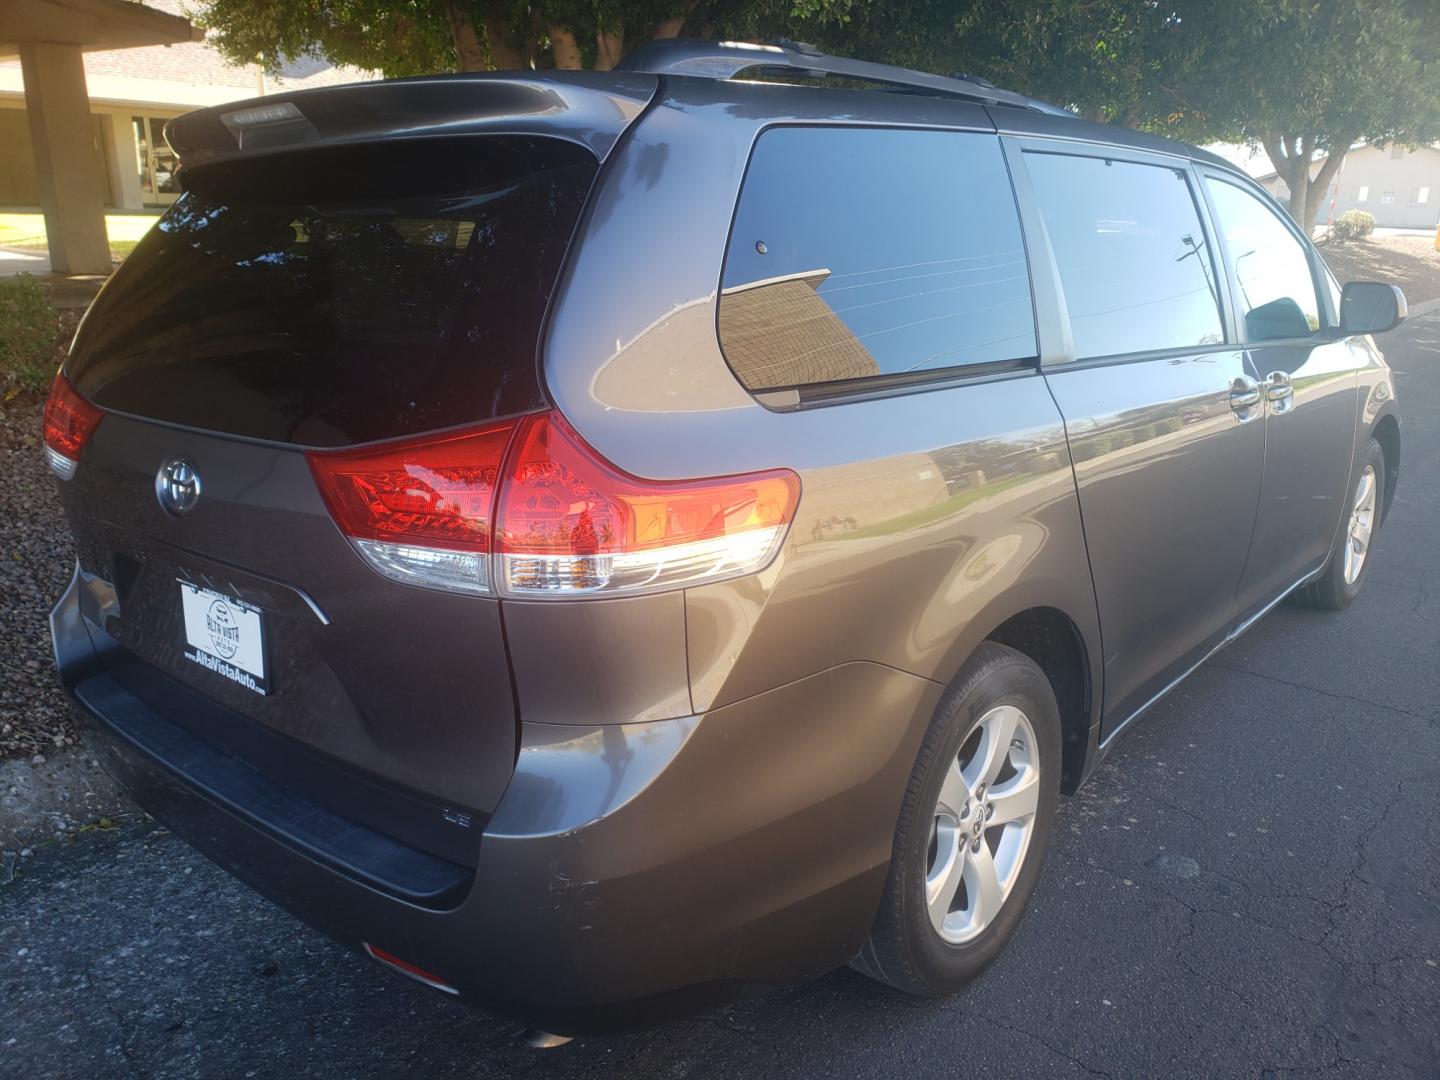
726 59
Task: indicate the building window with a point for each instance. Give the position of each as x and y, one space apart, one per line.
1362 193
1387 198
156 161
1397 152
1420 195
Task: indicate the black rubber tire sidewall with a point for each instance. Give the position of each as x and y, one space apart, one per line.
905 951
1332 592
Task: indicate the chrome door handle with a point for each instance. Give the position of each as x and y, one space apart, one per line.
1278 391
1245 397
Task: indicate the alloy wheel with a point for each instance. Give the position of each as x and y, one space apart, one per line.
1362 525
982 824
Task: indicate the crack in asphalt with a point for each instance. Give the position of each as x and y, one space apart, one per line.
1323 693
1059 1052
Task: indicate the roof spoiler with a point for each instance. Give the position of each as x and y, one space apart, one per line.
726 59
590 108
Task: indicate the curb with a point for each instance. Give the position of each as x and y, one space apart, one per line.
1424 308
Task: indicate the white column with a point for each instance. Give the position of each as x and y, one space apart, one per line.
62 135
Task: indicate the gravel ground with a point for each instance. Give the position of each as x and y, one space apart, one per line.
36 557
1408 261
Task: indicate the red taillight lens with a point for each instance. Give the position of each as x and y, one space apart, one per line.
69 422
419 511
569 522
439 492
560 519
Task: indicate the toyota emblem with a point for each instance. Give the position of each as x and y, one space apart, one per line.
177 486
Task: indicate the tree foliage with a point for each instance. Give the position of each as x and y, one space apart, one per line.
1311 77
1300 77
414 37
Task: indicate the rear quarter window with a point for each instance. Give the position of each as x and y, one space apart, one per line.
865 253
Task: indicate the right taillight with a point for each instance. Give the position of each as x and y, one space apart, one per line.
568 523
560 521
69 422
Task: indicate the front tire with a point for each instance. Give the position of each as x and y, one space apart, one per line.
973 829
1349 560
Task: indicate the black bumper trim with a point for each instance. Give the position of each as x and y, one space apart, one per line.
354 850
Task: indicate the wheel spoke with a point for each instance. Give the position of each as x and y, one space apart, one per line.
954 792
998 769
982 886
1367 490
997 729
1017 800
944 880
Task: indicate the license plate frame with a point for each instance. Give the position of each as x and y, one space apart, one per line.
225 635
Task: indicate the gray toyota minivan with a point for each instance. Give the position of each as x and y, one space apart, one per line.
602 543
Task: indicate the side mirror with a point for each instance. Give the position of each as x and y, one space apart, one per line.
1371 307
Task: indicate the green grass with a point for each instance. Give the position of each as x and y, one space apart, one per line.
27 231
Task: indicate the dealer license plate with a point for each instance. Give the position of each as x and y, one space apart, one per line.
225 635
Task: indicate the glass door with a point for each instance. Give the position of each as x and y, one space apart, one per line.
159 185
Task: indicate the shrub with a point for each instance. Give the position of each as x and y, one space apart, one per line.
1353 225
28 330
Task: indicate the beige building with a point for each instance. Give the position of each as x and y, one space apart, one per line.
133 92
1400 187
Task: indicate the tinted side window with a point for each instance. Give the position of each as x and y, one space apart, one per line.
858 253
1277 294
1133 258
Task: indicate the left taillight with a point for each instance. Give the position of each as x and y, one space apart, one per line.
69 422
528 509
419 511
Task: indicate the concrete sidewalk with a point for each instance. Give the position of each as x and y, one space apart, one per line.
14 261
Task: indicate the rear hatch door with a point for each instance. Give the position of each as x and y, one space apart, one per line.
324 295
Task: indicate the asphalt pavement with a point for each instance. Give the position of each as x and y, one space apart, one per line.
1249 886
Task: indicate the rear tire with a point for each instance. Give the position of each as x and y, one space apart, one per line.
976 820
1344 574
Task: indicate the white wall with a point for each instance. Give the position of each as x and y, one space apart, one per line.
116 133
1368 174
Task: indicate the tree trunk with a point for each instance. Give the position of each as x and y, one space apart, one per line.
1320 186
1291 154
1291 157
564 49
608 47
505 54
671 27
469 55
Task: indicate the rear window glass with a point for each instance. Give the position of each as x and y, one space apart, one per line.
859 253
341 296
1136 268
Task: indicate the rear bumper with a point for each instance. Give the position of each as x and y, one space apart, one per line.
630 874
